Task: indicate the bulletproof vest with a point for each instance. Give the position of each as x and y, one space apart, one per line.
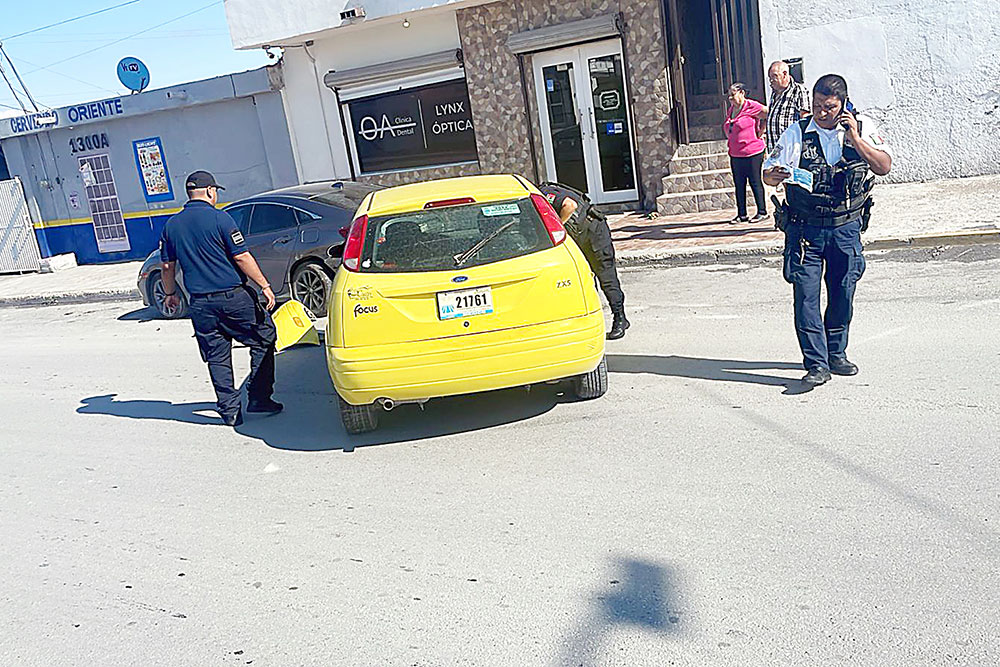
839 190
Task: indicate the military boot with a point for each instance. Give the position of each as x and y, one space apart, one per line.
618 325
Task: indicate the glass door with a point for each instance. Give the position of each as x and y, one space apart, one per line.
586 126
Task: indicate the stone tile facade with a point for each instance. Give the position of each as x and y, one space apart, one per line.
405 177
503 110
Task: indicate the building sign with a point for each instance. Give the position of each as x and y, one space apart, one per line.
152 168
89 142
74 115
34 122
418 127
95 110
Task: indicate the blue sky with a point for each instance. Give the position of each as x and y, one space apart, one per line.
190 48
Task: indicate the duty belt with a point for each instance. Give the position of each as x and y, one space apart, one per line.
225 292
824 220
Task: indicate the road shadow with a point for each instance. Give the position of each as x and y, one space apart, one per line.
107 404
145 314
640 594
311 422
724 370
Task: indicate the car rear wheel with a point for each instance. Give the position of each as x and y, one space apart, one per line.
158 295
358 418
311 287
593 384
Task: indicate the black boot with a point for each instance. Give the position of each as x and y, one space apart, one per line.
619 325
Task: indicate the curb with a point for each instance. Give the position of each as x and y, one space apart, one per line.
635 258
70 299
750 251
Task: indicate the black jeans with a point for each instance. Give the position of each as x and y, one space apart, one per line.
748 169
593 236
220 318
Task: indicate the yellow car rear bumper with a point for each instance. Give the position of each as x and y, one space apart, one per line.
468 364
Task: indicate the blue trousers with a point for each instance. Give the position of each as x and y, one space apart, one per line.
814 255
217 320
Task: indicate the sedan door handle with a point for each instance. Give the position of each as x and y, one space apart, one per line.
281 240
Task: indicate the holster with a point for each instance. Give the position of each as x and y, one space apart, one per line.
866 214
780 213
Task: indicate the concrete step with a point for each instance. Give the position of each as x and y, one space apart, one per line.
704 102
705 132
686 165
694 202
716 179
702 148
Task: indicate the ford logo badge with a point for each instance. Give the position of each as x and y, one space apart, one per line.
459 279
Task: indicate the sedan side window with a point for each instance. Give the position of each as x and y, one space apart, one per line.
271 218
241 214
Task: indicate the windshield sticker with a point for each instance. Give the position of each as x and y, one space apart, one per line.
501 209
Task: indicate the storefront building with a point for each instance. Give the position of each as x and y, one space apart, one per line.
601 95
101 178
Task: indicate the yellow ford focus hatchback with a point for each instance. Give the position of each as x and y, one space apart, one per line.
459 286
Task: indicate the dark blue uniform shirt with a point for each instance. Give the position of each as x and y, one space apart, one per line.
204 241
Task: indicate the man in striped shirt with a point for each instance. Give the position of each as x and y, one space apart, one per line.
789 102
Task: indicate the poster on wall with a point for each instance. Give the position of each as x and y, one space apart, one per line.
152 166
417 127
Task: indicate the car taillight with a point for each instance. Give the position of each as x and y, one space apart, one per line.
355 241
553 225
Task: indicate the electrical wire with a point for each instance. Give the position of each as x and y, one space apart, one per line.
27 92
64 22
136 34
13 92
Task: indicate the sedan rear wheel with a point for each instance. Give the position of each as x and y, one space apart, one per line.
311 287
593 384
158 296
358 418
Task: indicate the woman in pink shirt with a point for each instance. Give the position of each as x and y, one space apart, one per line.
746 150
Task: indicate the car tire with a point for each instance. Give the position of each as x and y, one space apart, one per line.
593 384
157 294
358 418
311 286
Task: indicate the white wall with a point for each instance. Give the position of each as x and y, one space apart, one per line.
313 117
927 70
253 23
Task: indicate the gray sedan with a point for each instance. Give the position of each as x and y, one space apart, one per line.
297 236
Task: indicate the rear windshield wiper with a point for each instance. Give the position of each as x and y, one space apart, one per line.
464 257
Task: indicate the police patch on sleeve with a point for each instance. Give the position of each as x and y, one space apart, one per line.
237 237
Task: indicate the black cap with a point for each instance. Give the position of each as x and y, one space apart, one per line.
201 179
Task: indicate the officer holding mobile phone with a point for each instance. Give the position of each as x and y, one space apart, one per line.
828 162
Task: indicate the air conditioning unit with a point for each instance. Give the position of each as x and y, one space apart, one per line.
352 13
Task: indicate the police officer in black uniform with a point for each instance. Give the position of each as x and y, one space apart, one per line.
216 263
589 229
827 162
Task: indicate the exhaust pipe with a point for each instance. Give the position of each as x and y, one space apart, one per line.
388 404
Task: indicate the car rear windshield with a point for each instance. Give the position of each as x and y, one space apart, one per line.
441 239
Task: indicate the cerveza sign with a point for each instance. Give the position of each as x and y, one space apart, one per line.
418 127
74 115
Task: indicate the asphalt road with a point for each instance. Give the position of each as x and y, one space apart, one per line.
705 512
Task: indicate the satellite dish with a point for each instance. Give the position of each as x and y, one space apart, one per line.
133 74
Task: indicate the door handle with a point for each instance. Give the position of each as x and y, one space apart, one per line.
282 240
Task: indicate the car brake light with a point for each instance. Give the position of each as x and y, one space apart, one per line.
450 202
553 225
354 243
